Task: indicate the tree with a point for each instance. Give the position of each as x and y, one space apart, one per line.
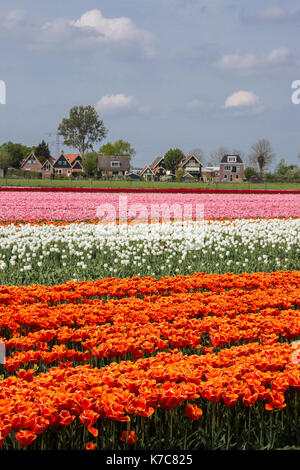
240 153
293 173
42 151
180 174
118 148
5 160
172 159
82 129
261 155
17 152
249 172
217 155
89 163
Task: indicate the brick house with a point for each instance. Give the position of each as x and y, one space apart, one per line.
113 165
31 163
232 169
61 166
75 161
47 168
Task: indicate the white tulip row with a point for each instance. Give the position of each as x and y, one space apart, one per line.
30 253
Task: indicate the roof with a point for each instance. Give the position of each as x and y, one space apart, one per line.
25 159
104 162
156 162
145 168
225 159
71 157
48 161
211 169
186 159
187 175
58 158
77 166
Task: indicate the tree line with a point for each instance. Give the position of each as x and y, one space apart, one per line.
83 129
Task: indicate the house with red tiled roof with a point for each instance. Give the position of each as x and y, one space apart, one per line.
73 157
76 163
61 166
65 165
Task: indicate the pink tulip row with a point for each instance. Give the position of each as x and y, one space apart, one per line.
70 206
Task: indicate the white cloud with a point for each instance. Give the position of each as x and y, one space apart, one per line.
238 62
241 98
252 62
272 13
110 29
13 19
91 31
279 56
117 102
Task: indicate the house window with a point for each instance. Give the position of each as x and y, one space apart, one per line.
236 176
225 176
115 164
234 169
231 159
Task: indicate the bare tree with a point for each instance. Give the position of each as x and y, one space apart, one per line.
240 153
217 155
261 154
199 154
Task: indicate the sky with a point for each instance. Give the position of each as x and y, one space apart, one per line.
161 73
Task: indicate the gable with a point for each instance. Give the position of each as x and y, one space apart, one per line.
30 160
47 166
191 160
146 170
77 166
73 157
62 162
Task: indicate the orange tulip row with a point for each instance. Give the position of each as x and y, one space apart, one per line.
138 338
135 286
30 404
35 317
105 329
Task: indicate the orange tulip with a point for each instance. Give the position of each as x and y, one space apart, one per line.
25 438
129 437
193 412
90 446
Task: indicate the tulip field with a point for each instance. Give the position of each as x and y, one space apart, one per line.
152 334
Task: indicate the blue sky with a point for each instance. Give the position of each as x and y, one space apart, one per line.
161 73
